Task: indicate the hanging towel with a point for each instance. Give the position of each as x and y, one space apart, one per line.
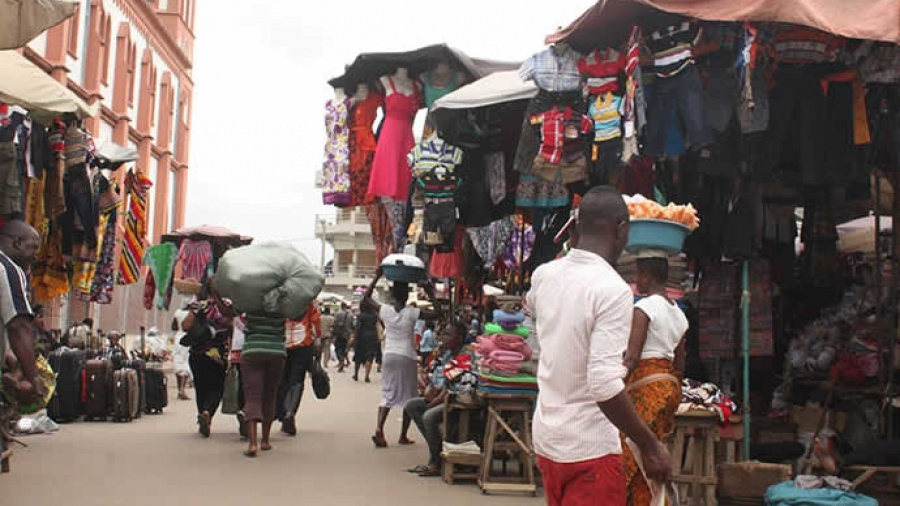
137 186
194 257
161 261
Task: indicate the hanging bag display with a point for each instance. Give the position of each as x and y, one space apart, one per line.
231 394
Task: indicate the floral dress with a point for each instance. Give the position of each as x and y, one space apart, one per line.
362 147
336 169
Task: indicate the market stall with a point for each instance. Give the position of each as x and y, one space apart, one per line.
773 123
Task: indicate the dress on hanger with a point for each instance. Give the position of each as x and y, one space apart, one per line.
336 169
362 147
391 174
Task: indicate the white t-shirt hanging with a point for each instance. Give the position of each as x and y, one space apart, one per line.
667 326
399 330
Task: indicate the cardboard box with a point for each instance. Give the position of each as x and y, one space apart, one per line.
750 479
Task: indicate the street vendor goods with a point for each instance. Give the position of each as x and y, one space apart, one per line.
270 278
640 207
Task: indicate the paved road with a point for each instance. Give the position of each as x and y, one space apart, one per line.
161 460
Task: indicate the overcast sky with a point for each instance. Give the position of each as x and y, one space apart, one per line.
261 70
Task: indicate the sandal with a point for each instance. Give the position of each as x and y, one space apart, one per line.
431 472
405 441
417 469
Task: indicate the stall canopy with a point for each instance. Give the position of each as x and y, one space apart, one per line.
23 20
367 67
608 21
494 89
23 83
858 236
217 235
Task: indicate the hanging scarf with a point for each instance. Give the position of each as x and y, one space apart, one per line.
194 257
161 261
133 246
104 275
490 241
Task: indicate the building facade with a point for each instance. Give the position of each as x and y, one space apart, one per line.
354 261
135 59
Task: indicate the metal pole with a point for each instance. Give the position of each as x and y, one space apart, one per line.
322 257
745 310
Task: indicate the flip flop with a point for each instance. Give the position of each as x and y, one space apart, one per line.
417 469
430 473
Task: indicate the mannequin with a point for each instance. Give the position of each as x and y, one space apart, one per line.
339 94
362 92
402 82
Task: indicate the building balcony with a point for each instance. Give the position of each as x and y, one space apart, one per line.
350 276
347 222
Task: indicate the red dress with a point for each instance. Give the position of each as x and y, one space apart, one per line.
391 174
362 147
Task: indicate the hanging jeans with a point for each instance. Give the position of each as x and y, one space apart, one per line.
209 382
300 361
684 92
440 223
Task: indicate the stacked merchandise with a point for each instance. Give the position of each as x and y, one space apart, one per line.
505 359
697 396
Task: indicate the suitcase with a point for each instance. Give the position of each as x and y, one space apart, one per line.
96 382
125 395
157 390
66 404
140 367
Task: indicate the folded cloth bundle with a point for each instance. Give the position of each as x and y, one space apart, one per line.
509 321
467 448
502 360
493 328
485 345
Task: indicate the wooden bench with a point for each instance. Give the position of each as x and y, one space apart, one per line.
450 471
504 412
450 465
693 450
867 472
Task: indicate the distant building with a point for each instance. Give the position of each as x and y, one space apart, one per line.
354 262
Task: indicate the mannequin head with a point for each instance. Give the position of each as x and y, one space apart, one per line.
339 94
362 91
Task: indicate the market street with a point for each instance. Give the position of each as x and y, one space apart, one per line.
162 460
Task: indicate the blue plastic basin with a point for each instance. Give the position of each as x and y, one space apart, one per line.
658 234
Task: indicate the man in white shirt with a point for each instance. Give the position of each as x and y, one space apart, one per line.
583 312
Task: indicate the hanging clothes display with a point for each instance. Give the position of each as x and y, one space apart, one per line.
382 234
390 169
161 259
434 163
362 147
49 278
105 272
336 168
136 185
195 257
450 265
490 241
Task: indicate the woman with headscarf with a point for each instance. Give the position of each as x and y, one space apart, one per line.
399 379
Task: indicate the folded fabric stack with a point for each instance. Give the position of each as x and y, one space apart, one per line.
505 365
460 450
697 396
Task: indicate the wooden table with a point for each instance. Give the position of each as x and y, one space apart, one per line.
508 430
693 450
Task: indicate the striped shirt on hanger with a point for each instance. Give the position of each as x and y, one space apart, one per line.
672 46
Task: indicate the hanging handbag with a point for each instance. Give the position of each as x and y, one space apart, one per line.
321 383
231 403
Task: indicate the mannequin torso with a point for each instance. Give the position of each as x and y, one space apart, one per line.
398 83
362 92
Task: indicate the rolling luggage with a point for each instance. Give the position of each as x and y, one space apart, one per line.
96 397
157 391
139 367
125 395
66 404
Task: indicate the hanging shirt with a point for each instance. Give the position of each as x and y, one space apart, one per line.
558 127
671 47
602 68
434 162
553 69
799 45
194 257
606 112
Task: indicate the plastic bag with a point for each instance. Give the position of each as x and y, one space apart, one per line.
321 383
231 394
272 279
